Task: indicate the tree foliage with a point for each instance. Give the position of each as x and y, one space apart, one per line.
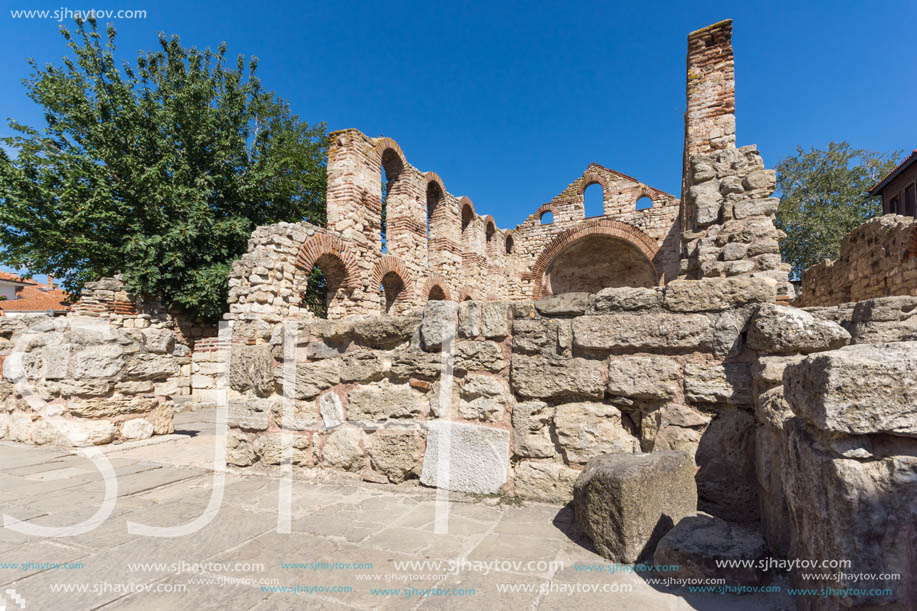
158 170
823 195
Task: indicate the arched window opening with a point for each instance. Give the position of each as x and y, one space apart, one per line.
644 202
436 293
547 217
593 201
467 217
391 288
324 281
509 244
434 198
491 230
315 297
391 171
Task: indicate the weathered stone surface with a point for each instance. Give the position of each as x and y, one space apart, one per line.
331 409
136 428
385 332
565 304
643 377
149 366
303 414
383 401
860 389
19 427
885 319
718 383
626 502
103 361
252 367
858 509
439 321
712 294
770 465
783 330
707 202
344 450
249 413
482 397
728 329
772 408
545 481
362 366
479 356
767 371
586 430
111 407
475 458
426 366
269 449
755 207
313 377
239 450
625 298
726 460
396 454
532 430
160 341
700 544
495 319
661 331
535 336
536 377
469 319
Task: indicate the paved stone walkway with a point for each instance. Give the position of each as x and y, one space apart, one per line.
165 482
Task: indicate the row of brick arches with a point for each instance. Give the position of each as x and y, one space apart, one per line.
593 255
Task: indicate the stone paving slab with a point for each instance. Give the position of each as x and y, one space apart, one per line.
240 553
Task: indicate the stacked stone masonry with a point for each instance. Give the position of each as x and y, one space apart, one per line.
877 259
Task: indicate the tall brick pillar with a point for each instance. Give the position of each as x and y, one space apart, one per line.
710 121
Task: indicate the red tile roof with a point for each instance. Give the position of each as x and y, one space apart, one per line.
14 278
37 298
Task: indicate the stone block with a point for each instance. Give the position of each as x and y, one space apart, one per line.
136 429
383 401
249 413
861 389
465 457
547 481
385 332
718 383
313 377
536 377
439 322
643 377
565 304
715 294
726 459
252 368
625 503
396 454
532 422
706 547
479 356
625 298
469 319
627 330
784 330
495 319
535 336
343 449
362 366
586 430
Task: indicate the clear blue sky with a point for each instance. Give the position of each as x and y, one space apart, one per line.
509 102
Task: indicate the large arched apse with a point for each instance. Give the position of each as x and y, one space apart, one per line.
595 262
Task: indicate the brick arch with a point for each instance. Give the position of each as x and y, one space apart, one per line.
601 226
488 222
390 263
592 177
509 239
434 177
549 207
323 244
468 292
432 281
384 144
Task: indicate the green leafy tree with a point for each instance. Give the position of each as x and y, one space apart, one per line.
158 170
823 195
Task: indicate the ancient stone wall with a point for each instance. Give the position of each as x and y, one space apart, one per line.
553 383
877 259
82 377
836 445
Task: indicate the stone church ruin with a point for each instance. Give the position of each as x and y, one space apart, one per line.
574 356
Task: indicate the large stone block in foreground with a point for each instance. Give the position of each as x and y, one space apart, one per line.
698 543
626 502
860 389
474 458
